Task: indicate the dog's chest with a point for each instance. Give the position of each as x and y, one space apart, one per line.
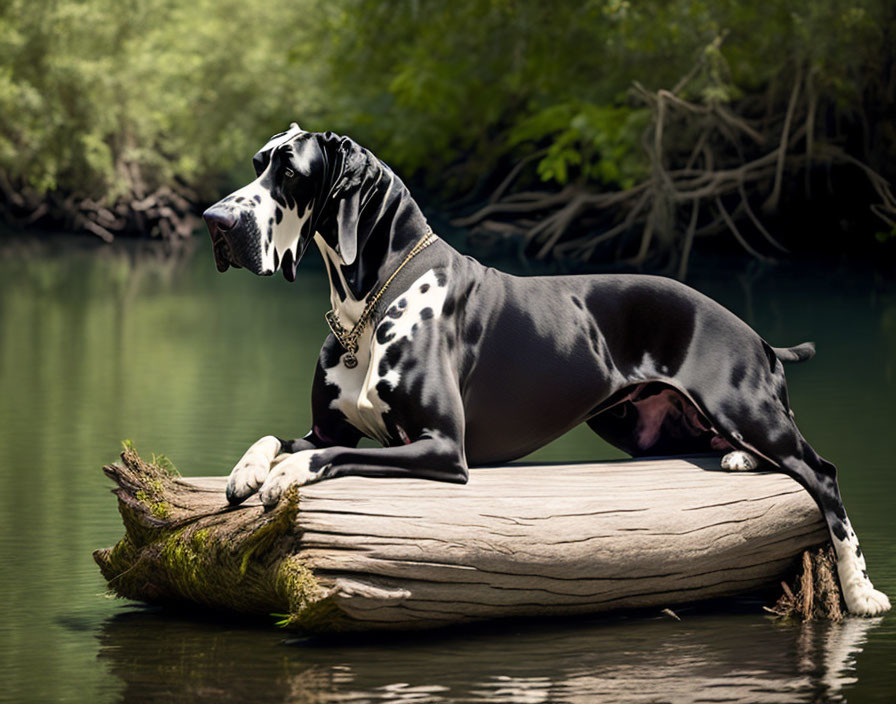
412 315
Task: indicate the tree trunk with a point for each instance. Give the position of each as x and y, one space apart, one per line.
357 554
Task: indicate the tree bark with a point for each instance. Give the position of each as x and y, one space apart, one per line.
523 541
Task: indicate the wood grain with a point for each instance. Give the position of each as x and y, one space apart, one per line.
532 540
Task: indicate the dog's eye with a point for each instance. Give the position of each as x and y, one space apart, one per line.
288 172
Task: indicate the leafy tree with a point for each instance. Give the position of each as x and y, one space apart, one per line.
125 116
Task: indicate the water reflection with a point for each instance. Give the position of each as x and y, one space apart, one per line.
112 343
633 661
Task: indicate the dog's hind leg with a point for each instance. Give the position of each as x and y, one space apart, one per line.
739 461
777 440
819 477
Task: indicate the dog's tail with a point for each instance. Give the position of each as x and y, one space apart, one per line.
800 353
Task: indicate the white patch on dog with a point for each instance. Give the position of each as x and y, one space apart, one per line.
358 398
403 329
861 598
252 468
285 234
291 470
280 139
739 461
348 310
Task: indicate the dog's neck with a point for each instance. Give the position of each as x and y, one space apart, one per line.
389 224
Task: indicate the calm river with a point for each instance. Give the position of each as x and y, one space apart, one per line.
102 344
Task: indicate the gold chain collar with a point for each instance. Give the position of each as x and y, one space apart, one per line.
349 338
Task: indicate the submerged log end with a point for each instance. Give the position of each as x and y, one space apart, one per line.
184 545
311 607
815 591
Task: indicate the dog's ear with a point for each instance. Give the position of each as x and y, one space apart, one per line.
347 225
354 168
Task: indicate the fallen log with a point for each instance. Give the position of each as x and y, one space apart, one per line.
522 541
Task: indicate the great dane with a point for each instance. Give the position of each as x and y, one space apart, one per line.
450 364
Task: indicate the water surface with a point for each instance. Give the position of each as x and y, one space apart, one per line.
111 343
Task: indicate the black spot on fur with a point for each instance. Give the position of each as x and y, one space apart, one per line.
839 531
665 337
865 574
426 313
276 259
448 306
278 214
858 550
394 312
384 332
577 302
394 353
383 387
441 277
737 374
287 259
473 332
330 356
390 358
424 288
256 198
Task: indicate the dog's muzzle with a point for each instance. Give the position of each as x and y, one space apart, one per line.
221 220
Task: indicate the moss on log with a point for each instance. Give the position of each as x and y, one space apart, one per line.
358 554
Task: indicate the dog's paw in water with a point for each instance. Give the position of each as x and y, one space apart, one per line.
739 461
866 601
252 469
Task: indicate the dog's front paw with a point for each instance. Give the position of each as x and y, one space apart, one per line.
295 470
739 461
252 469
865 600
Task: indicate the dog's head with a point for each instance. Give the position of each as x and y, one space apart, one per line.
304 179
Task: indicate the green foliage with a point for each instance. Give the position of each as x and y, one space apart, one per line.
164 463
430 83
600 142
105 99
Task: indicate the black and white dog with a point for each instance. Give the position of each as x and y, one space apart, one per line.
448 363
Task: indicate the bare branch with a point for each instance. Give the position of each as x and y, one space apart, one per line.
688 242
772 203
514 172
741 241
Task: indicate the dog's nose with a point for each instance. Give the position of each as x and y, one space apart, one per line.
219 218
